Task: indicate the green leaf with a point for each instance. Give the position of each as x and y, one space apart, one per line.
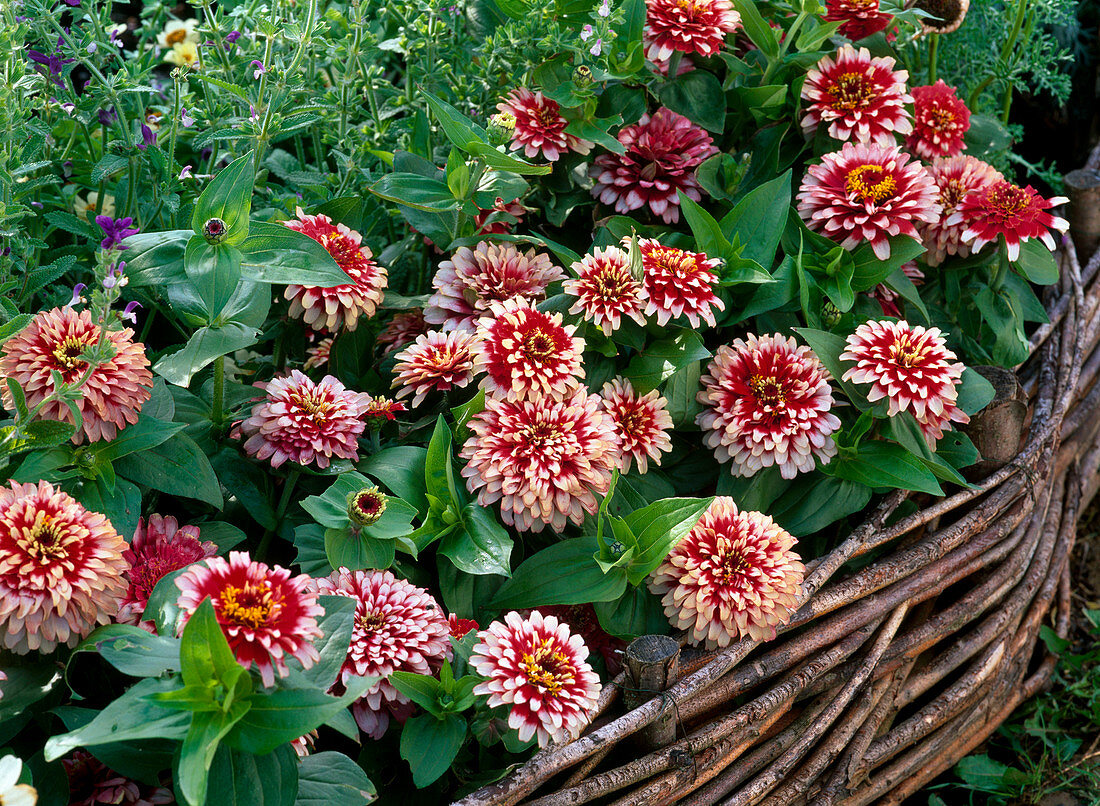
244 779
637 613
438 464
161 609
430 745
197 753
214 272
759 219
564 573
156 258
228 197
657 528
122 505
481 545
474 140
133 651
333 779
344 547
146 433
1037 263
884 464
870 270
37 435
803 511
680 392
708 235
657 363
415 191
143 760
975 391
274 253
13 326
698 96
828 347
757 29
982 773
205 344
26 685
177 466
401 470
204 651
422 689
332 647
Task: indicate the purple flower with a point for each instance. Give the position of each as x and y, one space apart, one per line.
92 47
76 295
107 116
595 50
128 314
185 173
232 37
586 33
253 115
605 9
148 138
114 277
186 119
52 62
73 3
259 71
68 106
115 231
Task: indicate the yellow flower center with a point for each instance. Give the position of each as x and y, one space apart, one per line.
316 410
43 540
175 37
950 196
906 354
1008 199
768 391
546 668
675 261
249 606
67 352
538 345
871 183
941 119
733 567
609 286
370 622
851 91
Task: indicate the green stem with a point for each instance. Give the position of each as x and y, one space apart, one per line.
933 54
1006 52
280 511
1003 266
219 391
784 46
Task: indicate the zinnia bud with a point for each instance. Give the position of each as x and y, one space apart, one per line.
215 231
366 506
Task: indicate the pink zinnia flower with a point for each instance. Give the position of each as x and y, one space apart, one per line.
540 127
733 575
402 329
1017 213
858 97
955 177
340 306
435 362
768 402
544 460
867 192
689 26
941 121
398 628
859 18
605 289
514 208
381 410
304 421
526 353
911 368
472 278
266 614
677 282
662 153
540 669
158 548
53 341
93 783
61 569
318 354
641 421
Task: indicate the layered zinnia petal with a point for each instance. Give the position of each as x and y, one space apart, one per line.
1017 213
858 18
858 97
605 290
678 283
642 422
539 669
733 575
941 120
435 362
689 26
402 329
540 127
955 177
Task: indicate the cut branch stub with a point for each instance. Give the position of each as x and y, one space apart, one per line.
652 665
1083 189
997 430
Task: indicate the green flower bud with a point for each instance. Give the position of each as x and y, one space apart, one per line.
830 314
582 76
366 506
215 231
501 126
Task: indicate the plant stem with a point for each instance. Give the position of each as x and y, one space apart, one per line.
219 391
280 511
933 54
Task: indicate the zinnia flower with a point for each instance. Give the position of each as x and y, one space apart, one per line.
955 177
733 575
402 329
318 354
689 26
112 395
540 128
13 793
605 289
61 568
93 783
540 669
472 278
912 368
381 410
642 423
946 15
858 97
460 627
267 615
435 362
544 460
941 121
662 153
859 18
1002 208
677 282
768 402
341 305
526 353
867 192
500 223
304 421
157 549
398 628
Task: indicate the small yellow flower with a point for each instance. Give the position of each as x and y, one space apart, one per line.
184 54
85 207
178 32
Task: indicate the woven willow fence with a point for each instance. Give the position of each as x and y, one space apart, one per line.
887 675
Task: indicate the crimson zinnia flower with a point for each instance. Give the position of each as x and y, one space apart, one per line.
605 289
267 615
642 422
402 329
540 127
304 421
858 97
859 18
677 282
339 306
662 153
768 402
435 362
398 628
689 26
911 368
61 568
93 783
955 177
381 410
540 669
867 192
526 353
544 460
733 575
472 278
158 548
941 121
1002 208
53 341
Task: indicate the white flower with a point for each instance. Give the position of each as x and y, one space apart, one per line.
13 793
